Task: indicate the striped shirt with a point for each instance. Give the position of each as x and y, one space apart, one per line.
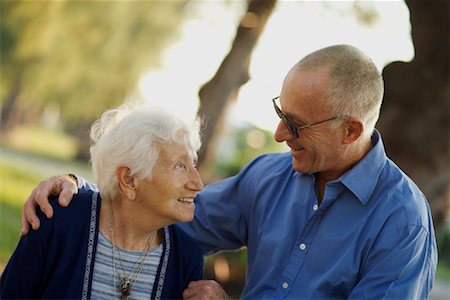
105 279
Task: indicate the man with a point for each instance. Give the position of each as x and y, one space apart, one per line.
335 217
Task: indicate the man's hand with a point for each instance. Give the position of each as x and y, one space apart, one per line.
204 289
63 185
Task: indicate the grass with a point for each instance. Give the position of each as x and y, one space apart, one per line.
15 186
443 272
43 153
42 142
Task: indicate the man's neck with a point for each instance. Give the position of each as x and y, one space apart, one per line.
353 157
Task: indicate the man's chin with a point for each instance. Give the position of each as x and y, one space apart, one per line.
298 166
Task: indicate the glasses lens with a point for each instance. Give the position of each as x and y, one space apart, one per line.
290 126
277 109
288 123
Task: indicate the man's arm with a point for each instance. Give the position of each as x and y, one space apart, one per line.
64 186
401 265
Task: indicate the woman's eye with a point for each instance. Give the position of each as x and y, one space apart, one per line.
180 165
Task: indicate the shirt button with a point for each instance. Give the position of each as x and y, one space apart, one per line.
315 207
302 246
285 285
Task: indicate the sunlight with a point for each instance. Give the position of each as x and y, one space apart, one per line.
294 29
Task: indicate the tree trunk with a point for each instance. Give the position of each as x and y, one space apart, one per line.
232 73
9 118
81 131
17 112
415 113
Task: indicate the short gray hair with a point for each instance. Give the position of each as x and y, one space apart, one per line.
126 136
355 86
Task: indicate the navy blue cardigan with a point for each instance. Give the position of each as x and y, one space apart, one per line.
57 260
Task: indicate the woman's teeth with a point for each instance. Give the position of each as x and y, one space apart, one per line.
186 200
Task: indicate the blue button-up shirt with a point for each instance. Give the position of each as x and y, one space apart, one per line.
371 237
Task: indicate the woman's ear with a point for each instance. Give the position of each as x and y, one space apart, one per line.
126 181
354 129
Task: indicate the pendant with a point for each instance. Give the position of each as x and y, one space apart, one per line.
125 287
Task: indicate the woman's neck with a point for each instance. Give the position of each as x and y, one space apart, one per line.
131 231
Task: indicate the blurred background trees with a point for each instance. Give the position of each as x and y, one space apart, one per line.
70 60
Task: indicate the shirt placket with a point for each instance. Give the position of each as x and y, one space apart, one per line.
300 251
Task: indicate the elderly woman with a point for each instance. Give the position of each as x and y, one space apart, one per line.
120 242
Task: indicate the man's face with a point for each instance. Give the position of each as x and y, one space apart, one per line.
317 148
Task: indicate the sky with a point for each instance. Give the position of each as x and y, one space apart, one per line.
294 29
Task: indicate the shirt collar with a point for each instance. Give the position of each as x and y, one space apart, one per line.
363 177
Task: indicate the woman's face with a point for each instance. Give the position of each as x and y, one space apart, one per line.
169 194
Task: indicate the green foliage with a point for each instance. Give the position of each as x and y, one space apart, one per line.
239 146
19 175
443 240
15 186
85 56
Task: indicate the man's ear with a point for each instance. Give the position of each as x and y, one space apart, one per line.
127 182
353 130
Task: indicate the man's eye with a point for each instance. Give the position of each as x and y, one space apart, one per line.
295 123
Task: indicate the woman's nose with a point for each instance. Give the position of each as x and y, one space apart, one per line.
195 183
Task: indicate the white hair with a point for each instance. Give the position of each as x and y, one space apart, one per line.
126 136
355 87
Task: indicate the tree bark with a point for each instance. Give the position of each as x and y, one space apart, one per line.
232 73
415 114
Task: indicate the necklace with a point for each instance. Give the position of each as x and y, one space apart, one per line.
127 281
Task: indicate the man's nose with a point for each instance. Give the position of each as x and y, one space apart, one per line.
282 133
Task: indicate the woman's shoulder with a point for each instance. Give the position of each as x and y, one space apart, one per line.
79 200
73 219
80 207
186 242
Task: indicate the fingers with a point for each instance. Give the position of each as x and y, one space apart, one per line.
69 188
23 217
29 214
41 195
62 185
204 289
25 226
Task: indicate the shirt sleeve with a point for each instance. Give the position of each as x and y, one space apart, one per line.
401 265
86 185
24 275
220 221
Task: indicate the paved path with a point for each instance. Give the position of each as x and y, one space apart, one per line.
43 166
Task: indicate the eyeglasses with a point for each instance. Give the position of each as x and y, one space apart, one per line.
294 128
